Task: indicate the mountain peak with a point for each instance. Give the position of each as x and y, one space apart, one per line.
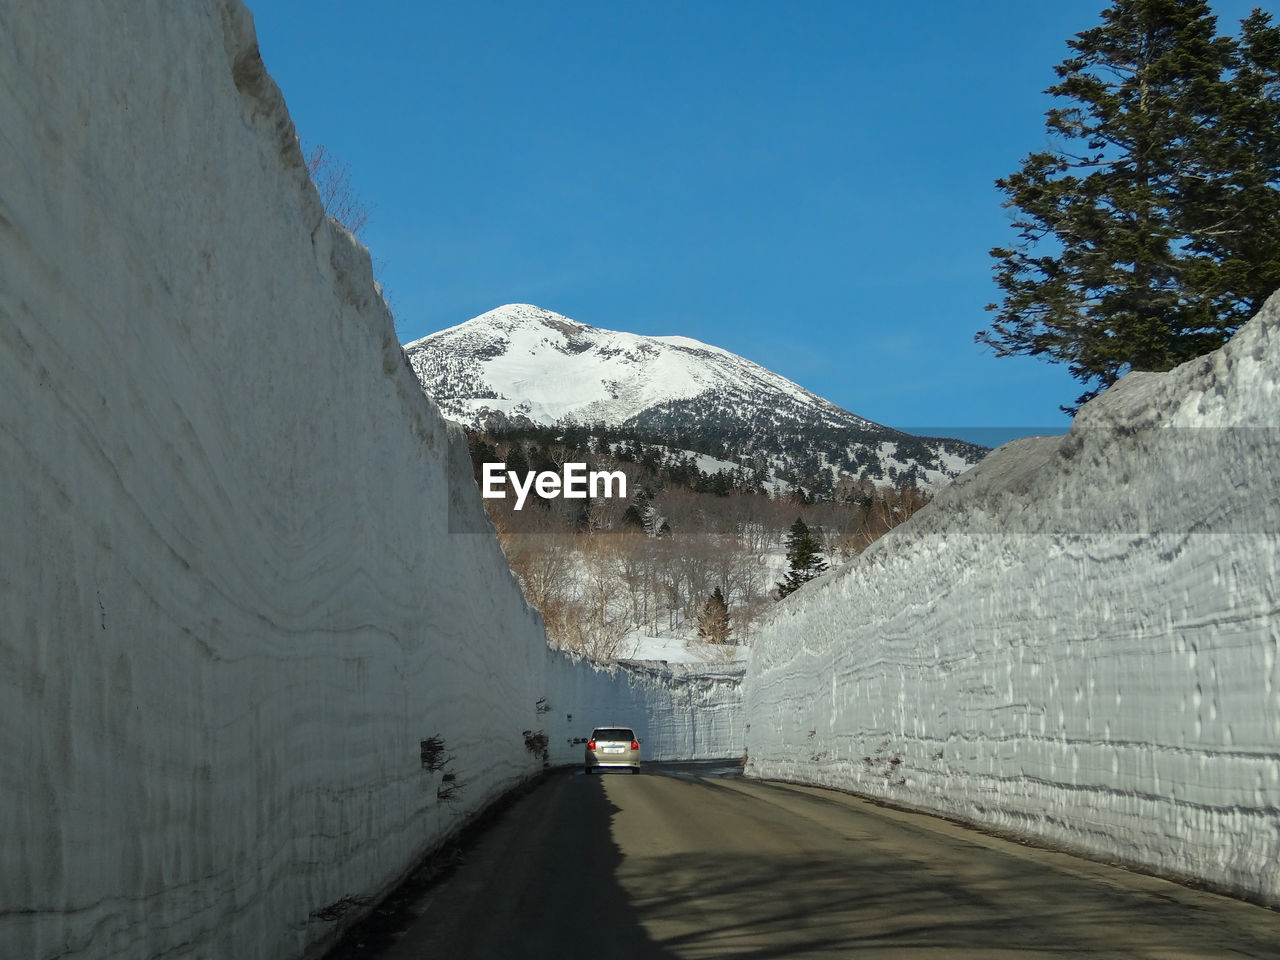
503 319
520 361
524 314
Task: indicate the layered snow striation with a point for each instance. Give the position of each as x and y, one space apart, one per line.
247 675
1076 642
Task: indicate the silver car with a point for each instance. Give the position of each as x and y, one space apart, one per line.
613 747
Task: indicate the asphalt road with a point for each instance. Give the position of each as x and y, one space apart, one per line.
680 862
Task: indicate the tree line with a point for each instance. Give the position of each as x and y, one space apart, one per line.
672 558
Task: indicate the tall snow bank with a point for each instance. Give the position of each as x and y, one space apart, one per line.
247 673
1077 642
679 711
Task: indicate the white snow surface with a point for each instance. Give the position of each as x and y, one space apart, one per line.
1076 642
231 604
678 649
522 362
548 367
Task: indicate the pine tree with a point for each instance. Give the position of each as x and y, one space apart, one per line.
1136 233
804 559
516 461
713 625
632 517
1234 205
482 451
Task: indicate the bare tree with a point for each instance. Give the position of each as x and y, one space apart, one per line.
634 559
600 619
332 178
669 579
540 554
746 577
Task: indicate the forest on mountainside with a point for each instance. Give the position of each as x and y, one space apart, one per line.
604 571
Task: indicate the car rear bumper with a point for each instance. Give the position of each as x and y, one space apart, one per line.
602 760
615 764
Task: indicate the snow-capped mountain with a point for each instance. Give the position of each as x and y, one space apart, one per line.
522 360
523 363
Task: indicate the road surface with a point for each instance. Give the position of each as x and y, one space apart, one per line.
676 863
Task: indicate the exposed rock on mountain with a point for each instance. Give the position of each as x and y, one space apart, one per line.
520 363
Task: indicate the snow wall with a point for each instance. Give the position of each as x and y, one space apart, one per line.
1076 642
247 673
680 711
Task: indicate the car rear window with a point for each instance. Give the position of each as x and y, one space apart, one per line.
612 733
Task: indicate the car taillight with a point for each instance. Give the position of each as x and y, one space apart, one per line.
591 744
635 744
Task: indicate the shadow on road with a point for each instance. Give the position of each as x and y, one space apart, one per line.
773 906
710 872
853 903
540 881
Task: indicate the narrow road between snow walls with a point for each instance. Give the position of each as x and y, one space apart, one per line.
692 861
261 651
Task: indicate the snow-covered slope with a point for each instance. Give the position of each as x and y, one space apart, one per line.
1078 640
520 362
249 668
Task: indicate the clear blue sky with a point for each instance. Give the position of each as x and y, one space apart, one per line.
808 184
